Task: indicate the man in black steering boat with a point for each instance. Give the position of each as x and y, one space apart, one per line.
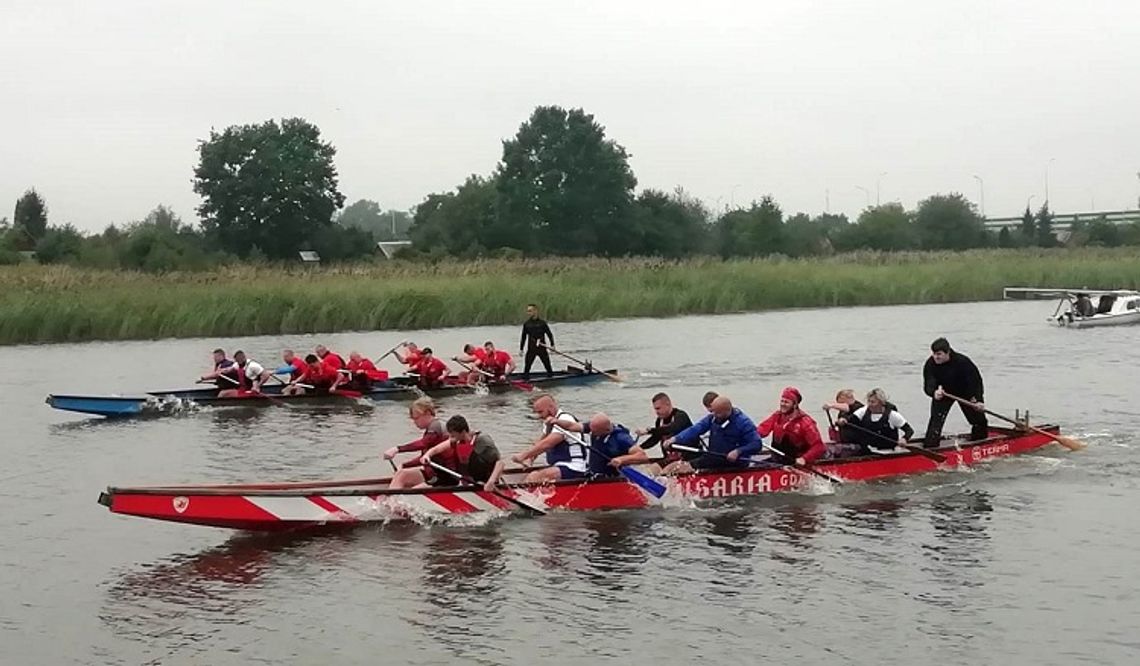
950 371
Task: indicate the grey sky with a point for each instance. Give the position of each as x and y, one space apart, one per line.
104 101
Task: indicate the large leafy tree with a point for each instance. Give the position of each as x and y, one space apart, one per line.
30 220
948 222
887 227
671 225
457 222
564 188
271 186
754 231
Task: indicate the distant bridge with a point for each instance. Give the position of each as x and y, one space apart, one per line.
1062 221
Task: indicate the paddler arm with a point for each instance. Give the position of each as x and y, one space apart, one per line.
543 445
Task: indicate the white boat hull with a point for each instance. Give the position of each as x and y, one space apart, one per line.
1121 319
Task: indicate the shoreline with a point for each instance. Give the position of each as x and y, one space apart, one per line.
58 304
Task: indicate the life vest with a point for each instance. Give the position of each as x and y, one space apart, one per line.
474 458
571 451
884 433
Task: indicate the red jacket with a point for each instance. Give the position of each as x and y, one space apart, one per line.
795 434
496 363
332 361
431 370
366 368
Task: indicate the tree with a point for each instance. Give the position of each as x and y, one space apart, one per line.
367 215
804 236
1005 238
458 222
1103 232
948 222
564 188
272 186
1028 227
757 230
888 228
1044 223
30 219
671 225
59 244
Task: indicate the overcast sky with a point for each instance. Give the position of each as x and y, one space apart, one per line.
103 102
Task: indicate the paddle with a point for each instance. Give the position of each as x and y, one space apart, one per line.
640 479
1070 443
466 479
926 453
257 394
381 357
344 393
520 385
584 364
802 468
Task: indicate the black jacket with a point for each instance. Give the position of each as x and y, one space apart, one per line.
665 428
958 376
535 331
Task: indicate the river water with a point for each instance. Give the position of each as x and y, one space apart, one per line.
1029 560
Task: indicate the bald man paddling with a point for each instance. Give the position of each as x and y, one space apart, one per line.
732 438
609 444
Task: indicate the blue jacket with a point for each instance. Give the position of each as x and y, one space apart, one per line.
738 433
617 443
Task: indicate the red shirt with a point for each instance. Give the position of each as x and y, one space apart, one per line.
366 368
431 370
480 355
320 376
413 359
496 363
795 433
332 361
299 367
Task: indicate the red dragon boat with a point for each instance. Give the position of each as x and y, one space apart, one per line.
275 507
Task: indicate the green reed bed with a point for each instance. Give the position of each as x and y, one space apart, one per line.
55 304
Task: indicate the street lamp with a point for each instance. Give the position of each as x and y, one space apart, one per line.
866 193
982 193
1051 160
878 183
1029 202
732 197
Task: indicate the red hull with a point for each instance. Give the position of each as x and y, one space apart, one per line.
288 506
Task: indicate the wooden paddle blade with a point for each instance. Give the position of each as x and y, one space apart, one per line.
644 481
519 500
1070 443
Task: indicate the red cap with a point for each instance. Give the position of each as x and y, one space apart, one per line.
793 394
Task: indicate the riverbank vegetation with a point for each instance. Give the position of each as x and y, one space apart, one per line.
64 303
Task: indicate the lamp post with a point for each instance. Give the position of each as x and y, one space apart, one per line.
981 193
1051 160
1029 202
866 193
878 184
732 196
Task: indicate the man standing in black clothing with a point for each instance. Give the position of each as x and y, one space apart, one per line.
948 371
534 334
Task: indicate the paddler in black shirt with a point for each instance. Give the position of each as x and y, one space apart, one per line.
670 421
948 371
535 331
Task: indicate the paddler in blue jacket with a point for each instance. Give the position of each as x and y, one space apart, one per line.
609 442
732 437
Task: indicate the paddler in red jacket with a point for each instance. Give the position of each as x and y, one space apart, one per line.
294 365
330 360
794 434
472 356
431 370
496 362
411 358
359 373
317 378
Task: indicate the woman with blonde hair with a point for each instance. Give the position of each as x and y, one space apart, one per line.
413 473
879 426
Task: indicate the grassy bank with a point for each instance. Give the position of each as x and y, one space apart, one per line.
55 304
